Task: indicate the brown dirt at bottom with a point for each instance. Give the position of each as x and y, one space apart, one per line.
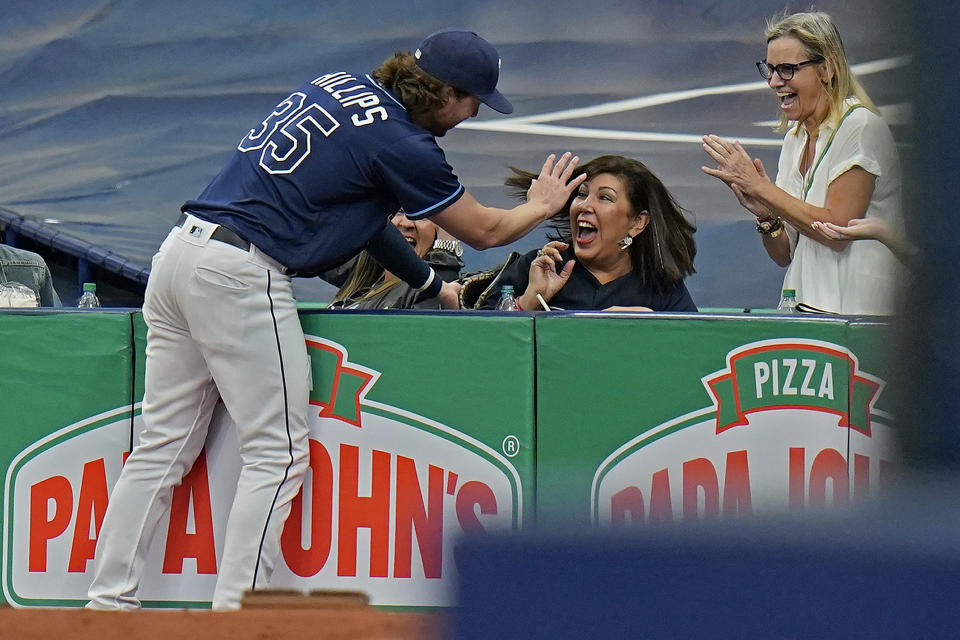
329 623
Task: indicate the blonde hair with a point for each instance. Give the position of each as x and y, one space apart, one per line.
821 39
362 283
367 279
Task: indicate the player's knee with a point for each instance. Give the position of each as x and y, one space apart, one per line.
293 457
146 466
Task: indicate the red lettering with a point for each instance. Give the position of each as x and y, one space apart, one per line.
472 495
661 505
736 485
452 483
356 511
624 503
698 474
44 527
308 561
412 515
797 475
195 488
92 502
829 466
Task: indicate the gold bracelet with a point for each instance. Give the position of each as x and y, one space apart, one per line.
768 227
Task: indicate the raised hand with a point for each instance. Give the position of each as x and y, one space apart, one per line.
734 165
738 171
543 276
552 188
754 205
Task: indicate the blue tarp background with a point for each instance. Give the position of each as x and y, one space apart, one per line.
114 112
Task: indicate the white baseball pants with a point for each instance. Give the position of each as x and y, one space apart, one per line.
222 322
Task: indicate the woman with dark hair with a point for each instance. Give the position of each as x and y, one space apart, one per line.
632 245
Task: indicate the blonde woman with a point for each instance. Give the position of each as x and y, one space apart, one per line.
839 163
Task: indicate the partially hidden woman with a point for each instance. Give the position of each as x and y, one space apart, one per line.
365 284
838 163
622 244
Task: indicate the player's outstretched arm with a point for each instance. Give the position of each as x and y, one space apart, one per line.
483 227
391 250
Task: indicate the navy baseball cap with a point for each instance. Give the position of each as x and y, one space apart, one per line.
465 61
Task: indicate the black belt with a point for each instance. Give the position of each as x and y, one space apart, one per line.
220 234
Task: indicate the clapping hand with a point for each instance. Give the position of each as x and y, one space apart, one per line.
738 171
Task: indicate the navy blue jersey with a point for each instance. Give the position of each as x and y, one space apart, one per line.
313 182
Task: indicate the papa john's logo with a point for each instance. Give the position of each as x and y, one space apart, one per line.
792 425
387 494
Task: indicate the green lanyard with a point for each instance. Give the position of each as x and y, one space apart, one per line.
806 189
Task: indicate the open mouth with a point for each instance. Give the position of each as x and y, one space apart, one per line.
586 233
787 100
411 240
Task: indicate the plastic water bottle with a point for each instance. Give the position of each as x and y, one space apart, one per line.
89 299
788 302
507 301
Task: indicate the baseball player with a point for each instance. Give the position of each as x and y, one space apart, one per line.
306 189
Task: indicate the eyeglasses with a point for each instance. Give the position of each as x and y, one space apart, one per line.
785 70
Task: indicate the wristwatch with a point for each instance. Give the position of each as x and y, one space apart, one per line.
450 246
772 227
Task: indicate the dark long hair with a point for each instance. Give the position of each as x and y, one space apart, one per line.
663 253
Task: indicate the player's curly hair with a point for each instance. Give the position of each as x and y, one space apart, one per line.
415 88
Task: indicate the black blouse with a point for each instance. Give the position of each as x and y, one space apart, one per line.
583 292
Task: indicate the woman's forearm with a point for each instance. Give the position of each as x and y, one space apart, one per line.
778 248
848 197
